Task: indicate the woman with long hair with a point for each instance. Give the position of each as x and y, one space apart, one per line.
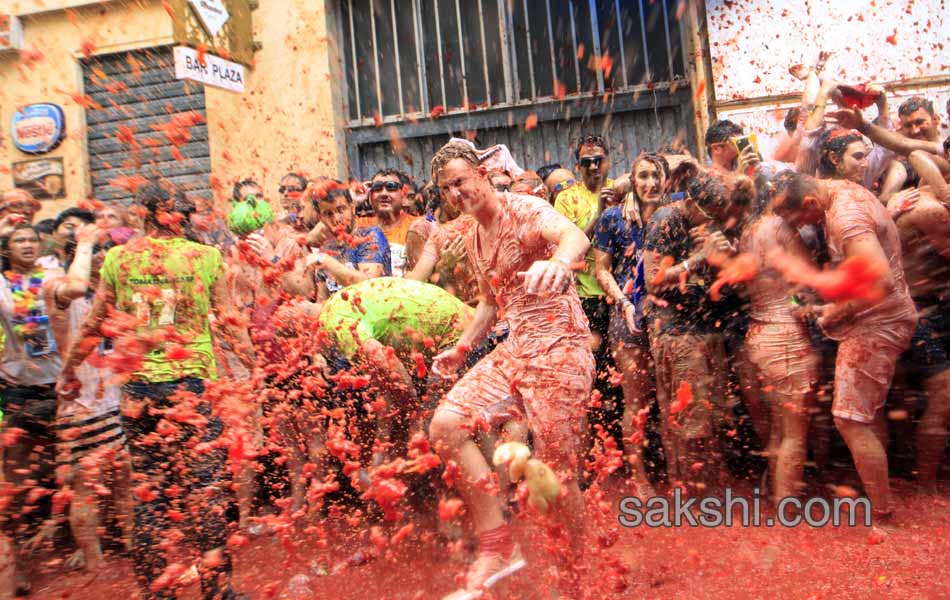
28 371
618 254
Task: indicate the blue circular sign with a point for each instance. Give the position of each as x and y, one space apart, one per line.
38 128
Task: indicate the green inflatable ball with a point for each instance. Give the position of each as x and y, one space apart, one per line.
249 215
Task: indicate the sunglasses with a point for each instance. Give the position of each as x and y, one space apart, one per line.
587 161
391 186
286 189
560 187
502 187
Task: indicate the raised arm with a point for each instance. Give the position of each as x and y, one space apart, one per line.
85 340
933 171
850 118
76 282
817 116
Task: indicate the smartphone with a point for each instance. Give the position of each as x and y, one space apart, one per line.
743 142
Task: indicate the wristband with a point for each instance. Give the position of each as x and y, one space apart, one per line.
685 266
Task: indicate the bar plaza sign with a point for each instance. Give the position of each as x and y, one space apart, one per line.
208 69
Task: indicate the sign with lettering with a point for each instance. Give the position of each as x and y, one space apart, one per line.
38 128
208 69
42 177
212 13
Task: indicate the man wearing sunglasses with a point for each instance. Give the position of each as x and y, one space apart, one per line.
387 194
583 203
291 188
558 180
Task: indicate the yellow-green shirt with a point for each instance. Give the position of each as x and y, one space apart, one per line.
167 283
580 205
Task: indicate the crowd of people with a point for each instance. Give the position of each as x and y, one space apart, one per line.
397 345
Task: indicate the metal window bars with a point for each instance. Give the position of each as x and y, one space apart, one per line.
467 20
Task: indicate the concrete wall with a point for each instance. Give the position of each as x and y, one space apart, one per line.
285 118
752 43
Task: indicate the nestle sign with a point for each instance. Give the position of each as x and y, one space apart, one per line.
38 128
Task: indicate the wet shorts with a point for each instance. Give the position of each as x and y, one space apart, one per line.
552 391
929 352
83 432
700 361
783 357
864 369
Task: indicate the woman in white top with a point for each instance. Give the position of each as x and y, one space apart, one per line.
28 372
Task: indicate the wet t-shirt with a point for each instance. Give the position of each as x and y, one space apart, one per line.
99 389
768 293
396 236
678 310
400 313
623 241
365 245
855 211
580 205
31 355
167 283
455 276
536 322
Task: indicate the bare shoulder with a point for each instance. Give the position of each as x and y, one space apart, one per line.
928 215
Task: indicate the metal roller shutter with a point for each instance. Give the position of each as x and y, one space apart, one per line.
142 122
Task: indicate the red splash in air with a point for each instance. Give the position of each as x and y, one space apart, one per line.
684 395
737 269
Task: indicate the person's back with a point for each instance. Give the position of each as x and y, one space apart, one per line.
400 313
684 308
166 282
926 267
768 292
